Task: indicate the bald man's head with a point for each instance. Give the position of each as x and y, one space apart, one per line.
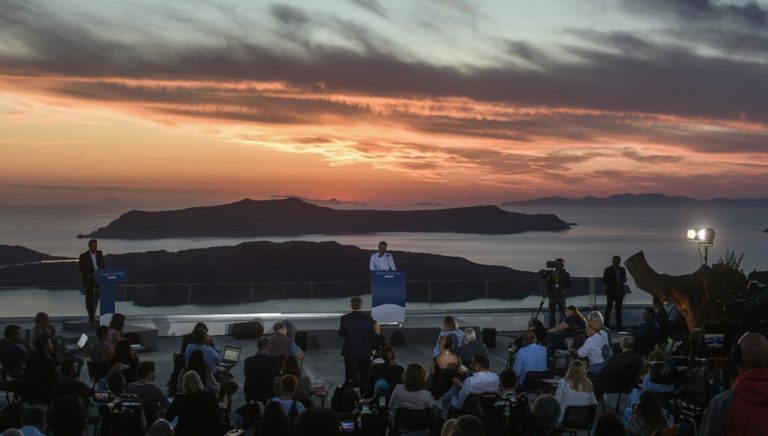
754 351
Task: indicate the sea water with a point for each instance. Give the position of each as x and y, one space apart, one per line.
599 234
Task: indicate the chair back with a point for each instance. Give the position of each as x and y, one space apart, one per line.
413 419
579 418
560 362
534 380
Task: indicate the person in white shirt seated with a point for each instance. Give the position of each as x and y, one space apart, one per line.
575 389
481 381
412 393
593 346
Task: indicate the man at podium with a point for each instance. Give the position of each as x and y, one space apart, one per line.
381 260
90 262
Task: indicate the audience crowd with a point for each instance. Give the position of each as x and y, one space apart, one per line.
555 381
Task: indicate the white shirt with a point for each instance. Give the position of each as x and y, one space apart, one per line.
593 349
477 383
93 259
382 263
568 396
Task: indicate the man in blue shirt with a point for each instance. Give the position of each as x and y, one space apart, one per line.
532 357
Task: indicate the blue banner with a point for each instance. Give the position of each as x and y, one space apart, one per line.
107 278
388 296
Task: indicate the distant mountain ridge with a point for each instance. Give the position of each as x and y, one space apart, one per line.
652 199
289 217
15 255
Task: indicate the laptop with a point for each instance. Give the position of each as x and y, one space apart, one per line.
77 346
231 356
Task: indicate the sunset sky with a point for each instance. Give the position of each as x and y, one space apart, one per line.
382 102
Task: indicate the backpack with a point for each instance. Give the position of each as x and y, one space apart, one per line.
337 399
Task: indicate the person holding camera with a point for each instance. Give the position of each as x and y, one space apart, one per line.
558 285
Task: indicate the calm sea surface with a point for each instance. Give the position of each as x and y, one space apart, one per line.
601 233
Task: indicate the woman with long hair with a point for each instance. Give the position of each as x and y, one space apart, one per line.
575 389
125 355
197 364
450 327
116 325
412 393
445 367
648 417
195 407
385 368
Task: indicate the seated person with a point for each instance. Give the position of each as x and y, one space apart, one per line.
647 384
160 427
470 347
290 406
194 407
450 328
117 386
189 337
102 350
593 346
647 335
196 363
303 390
386 368
32 421
150 396
445 367
281 344
273 420
40 368
43 326
532 357
124 354
14 350
649 416
412 393
482 380
575 389
317 422
68 384
538 329
573 324
621 372
546 413
260 370
508 382
116 326
662 319
204 344
67 416
379 341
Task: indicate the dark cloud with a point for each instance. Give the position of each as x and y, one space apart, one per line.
639 156
289 15
749 13
372 6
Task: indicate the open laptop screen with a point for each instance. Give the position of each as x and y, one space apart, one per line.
231 354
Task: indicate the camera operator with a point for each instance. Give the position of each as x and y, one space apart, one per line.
558 285
743 409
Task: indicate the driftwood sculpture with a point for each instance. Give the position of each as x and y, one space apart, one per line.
689 292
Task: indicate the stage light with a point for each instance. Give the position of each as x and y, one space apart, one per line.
705 237
702 236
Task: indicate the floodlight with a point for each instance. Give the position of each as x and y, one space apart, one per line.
705 237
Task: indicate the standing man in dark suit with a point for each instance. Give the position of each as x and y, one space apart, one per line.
357 330
614 278
90 262
260 371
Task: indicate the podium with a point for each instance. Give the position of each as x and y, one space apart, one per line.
388 296
107 278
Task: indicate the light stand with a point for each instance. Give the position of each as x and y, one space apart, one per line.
704 237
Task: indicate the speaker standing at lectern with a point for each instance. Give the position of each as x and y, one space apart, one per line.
381 260
90 262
